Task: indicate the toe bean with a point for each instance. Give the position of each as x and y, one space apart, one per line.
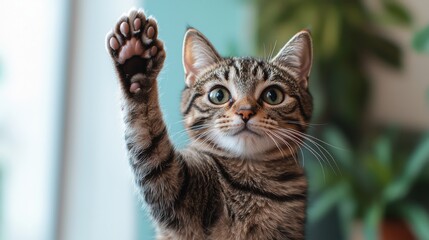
114 44
125 28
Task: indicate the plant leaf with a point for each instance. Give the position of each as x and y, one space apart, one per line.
415 164
383 150
397 12
342 150
417 219
419 158
421 40
384 49
347 214
326 201
371 221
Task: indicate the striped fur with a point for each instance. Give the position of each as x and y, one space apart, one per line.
227 184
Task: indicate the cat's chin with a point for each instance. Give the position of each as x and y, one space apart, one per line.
245 144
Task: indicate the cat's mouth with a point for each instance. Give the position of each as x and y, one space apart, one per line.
243 130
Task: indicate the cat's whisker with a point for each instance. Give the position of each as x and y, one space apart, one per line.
180 133
319 140
265 53
300 142
205 134
198 136
287 145
290 147
272 129
180 121
311 139
302 124
212 138
272 51
226 125
329 159
274 141
195 128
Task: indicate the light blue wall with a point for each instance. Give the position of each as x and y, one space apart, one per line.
227 23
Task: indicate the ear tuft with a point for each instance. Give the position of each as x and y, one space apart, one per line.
198 54
297 55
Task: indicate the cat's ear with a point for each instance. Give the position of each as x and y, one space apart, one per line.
297 55
198 54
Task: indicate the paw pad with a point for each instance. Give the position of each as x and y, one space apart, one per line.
136 40
136 36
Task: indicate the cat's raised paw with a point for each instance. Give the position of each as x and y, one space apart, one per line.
136 50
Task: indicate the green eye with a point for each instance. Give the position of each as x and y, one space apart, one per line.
273 96
219 95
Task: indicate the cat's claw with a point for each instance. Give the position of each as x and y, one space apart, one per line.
135 48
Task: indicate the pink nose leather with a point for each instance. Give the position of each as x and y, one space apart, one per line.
245 114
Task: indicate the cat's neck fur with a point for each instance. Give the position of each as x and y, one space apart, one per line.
262 168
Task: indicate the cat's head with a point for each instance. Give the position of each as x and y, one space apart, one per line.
246 106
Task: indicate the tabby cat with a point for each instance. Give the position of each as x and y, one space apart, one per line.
239 177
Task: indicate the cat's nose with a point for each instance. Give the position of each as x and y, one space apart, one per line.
245 113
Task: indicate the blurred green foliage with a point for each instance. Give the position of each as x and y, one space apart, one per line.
372 183
421 40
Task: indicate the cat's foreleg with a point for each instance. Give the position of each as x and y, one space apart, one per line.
138 56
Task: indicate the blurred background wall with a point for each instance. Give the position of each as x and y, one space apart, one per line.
63 169
32 64
96 199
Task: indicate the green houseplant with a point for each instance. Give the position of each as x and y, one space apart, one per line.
421 40
376 187
379 185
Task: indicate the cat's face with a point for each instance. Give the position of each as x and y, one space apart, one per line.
246 106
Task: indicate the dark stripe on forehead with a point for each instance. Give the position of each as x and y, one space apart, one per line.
226 74
210 77
255 68
237 67
265 74
264 68
255 71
